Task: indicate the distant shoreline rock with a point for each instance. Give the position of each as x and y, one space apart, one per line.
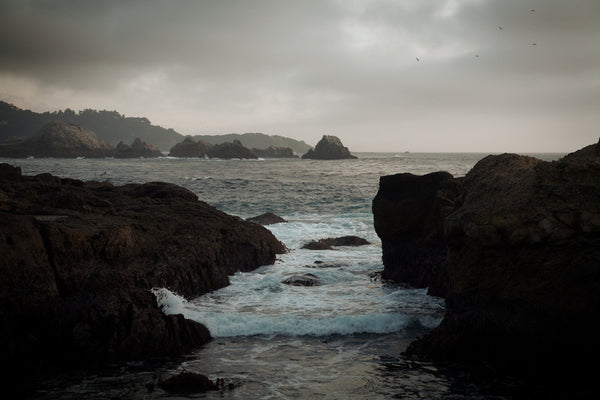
79 260
274 152
329 148
521 239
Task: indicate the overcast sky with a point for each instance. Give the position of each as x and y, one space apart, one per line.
395 75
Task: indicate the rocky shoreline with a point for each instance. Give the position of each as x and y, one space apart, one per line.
513 247
79 260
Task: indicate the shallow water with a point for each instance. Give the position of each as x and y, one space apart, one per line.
340 339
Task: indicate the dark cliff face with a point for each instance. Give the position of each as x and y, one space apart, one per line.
409 212
79 258
328 148
522 265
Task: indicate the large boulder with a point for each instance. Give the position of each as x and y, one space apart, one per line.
230 150
79 260
409 213
61 140
190 148
139 148
522 267
328 148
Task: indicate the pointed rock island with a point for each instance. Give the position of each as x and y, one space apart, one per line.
329 148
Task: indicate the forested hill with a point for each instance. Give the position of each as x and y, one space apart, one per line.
109 126
258 141
113 127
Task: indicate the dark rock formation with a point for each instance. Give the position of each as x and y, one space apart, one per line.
189 382
267 218
329 243
409 213
522 267
61 140
230 150
321 264
302 280
190 148
139 148
274 152
328 148
79 260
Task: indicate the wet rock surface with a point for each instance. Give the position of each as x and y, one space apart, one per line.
302 280
331 243
523 278
267 218
79 260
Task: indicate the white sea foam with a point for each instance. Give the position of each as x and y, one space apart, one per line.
347 300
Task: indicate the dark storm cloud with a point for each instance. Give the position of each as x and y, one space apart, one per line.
302 67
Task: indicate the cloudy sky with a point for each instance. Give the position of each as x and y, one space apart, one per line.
383 75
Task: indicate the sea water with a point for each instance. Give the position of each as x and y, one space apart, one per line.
340 339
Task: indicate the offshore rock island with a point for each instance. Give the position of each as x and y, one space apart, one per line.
328 148
513 247
79 260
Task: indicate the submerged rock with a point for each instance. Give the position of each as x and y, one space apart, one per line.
79 260
329 148
329 243
267 218
302 280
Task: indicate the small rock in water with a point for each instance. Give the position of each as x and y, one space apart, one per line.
266 219
321 264
327 244
302 280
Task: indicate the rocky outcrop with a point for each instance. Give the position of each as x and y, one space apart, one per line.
274 152
230 150
330 243
139 148
190 148
409 213
267 218
328 148
522 267
61 140
79 260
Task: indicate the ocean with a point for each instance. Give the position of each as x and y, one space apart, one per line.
340 339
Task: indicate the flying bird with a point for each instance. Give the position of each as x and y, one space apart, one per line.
500 27
417 58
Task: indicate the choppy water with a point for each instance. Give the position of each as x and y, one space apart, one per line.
341 339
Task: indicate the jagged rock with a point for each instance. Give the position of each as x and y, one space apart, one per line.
522 267
190 148
329 243
61 140
139 148
302 280
274 152
79 260
267 218
409 213
328 148
230 150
